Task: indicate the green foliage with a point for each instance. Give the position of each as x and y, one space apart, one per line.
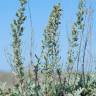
75 41
17 31
50 48
48 78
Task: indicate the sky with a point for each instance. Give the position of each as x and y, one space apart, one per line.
40 11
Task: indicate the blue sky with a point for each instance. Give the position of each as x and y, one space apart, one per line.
40 10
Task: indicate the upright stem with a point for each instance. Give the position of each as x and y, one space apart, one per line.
17 31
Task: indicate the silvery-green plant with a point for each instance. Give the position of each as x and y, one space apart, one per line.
2 88
51 83
75 41
17 32
50 47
